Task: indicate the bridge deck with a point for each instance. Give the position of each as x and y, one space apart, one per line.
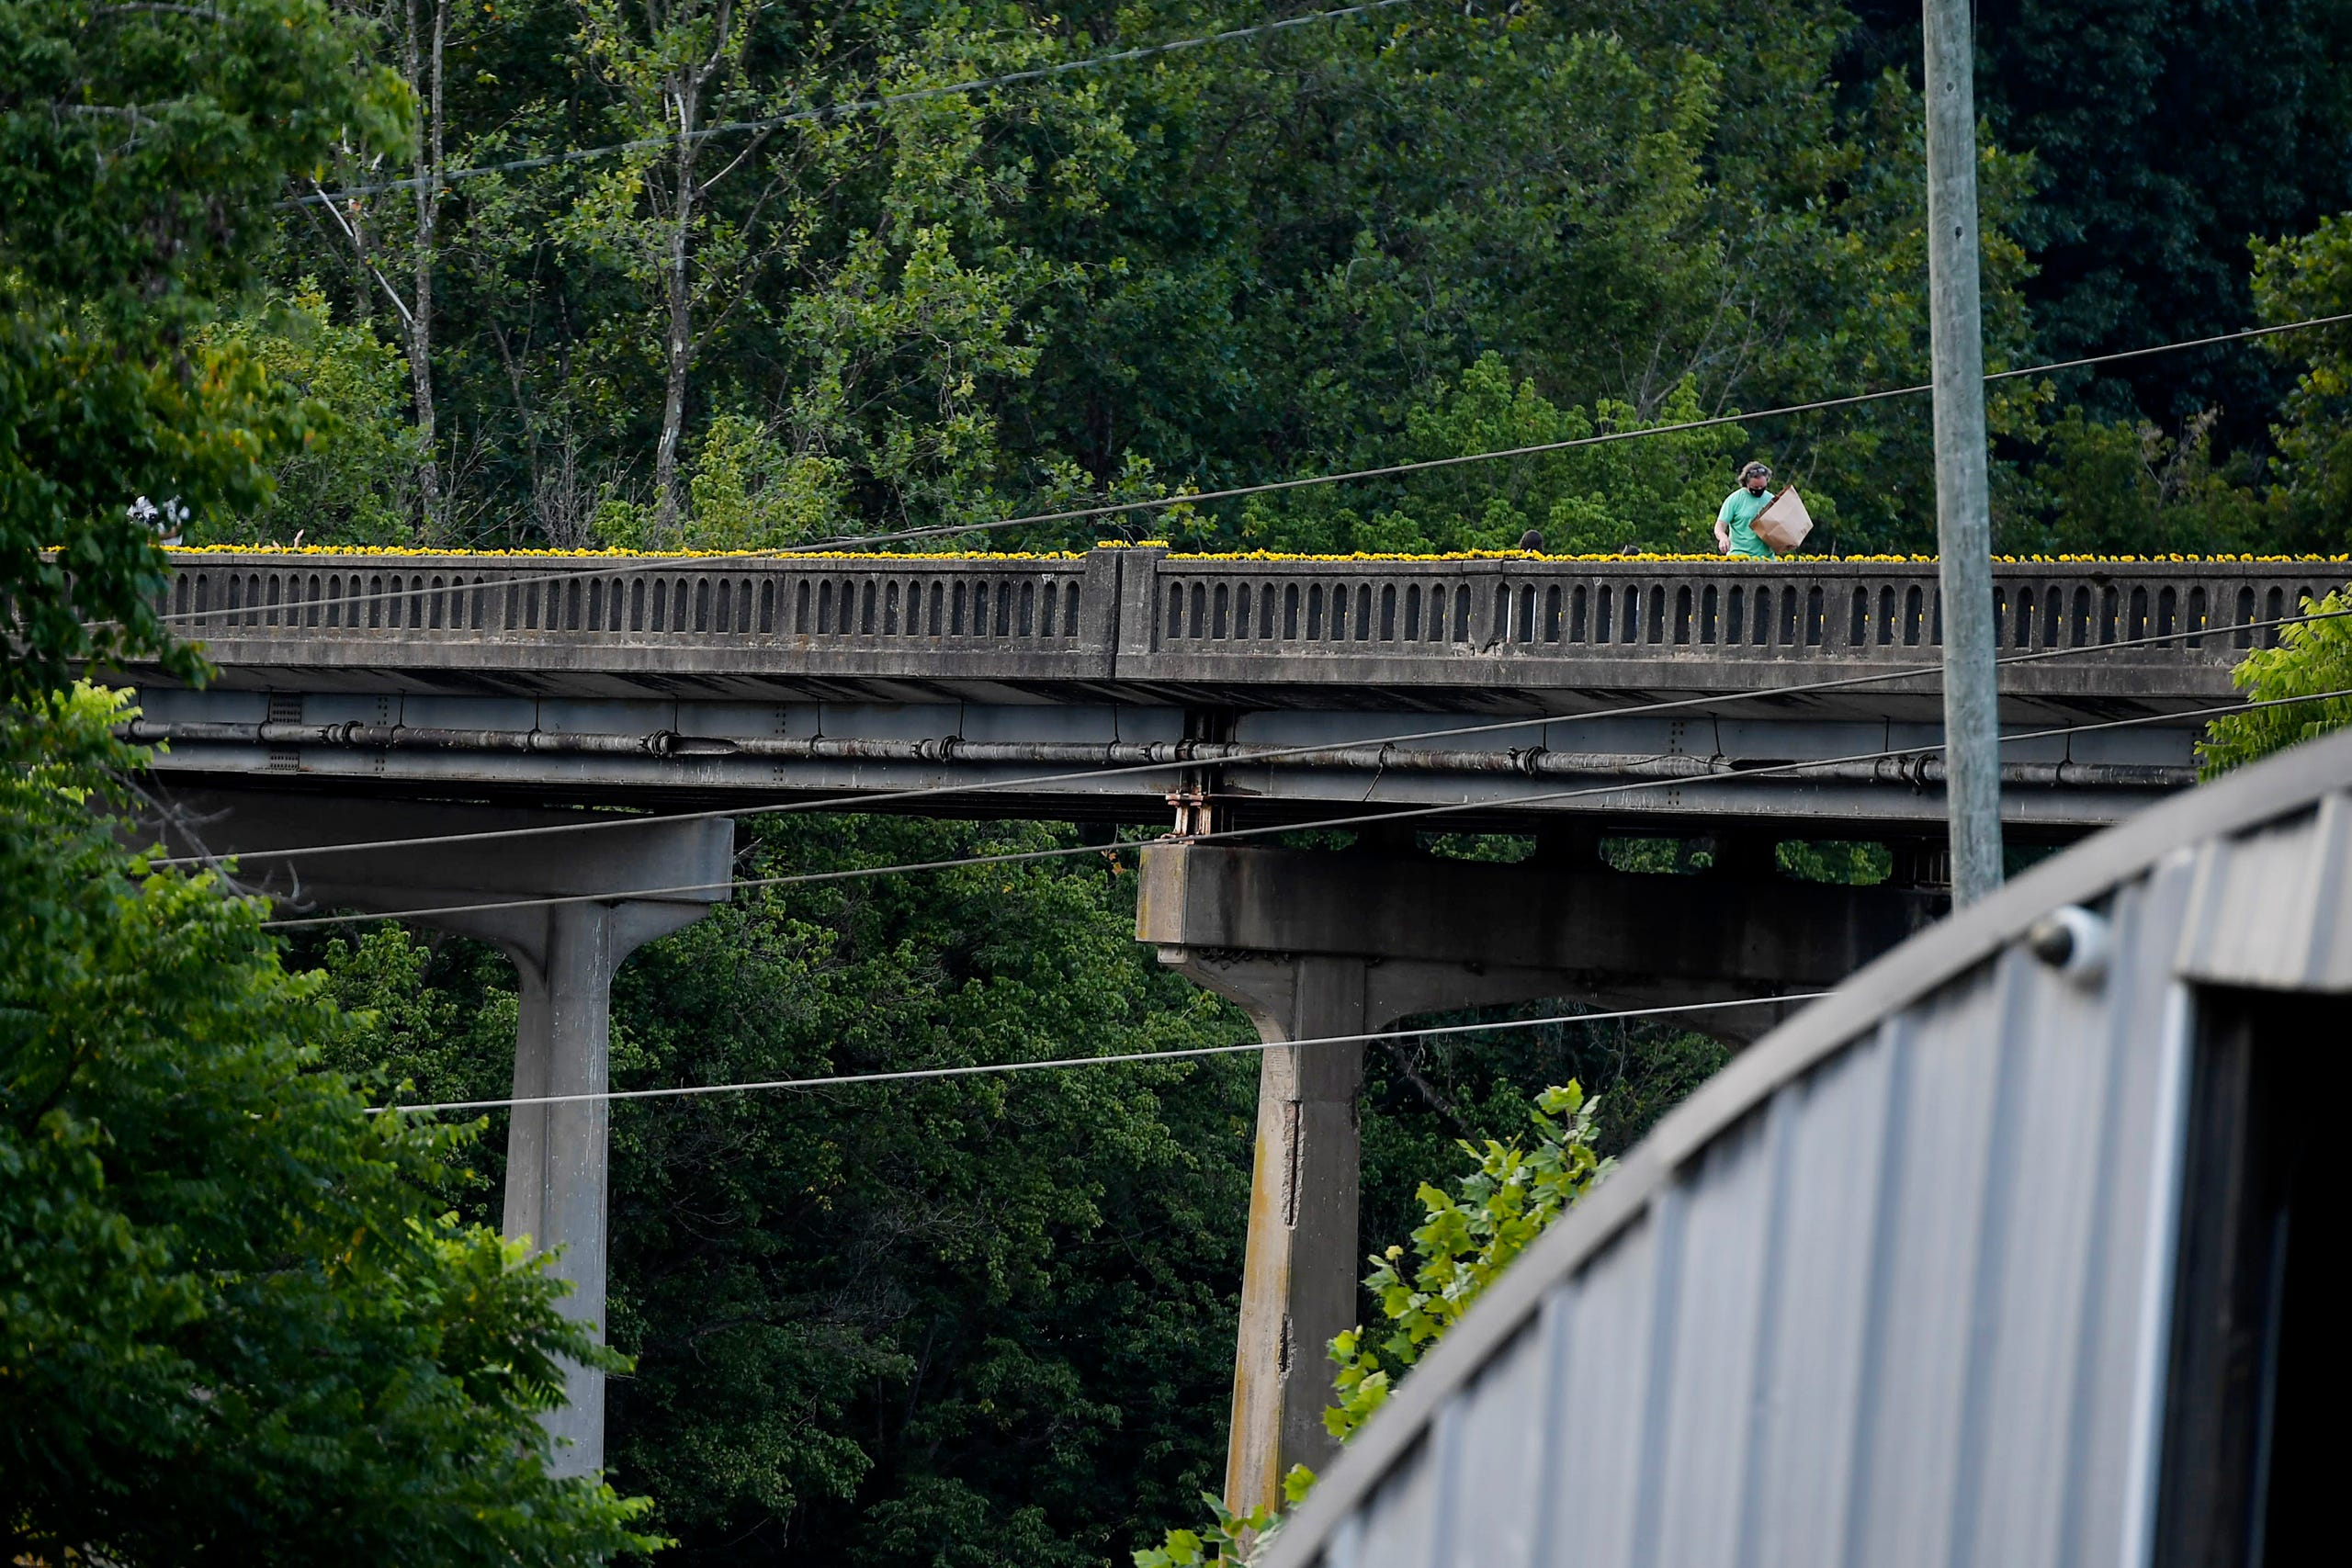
1508 634
709 680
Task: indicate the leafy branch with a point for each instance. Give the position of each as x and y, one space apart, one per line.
2313 657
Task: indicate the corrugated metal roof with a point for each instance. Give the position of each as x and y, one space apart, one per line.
1895 1287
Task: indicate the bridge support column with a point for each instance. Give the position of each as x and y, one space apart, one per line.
1298 1279
564 954
1298 1282
557 1186
1312 945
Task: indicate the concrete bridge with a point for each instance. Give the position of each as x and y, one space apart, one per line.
707 681
367 698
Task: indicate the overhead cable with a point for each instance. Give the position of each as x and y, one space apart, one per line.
845 1080
948 530
830 112
1228 835
1275 755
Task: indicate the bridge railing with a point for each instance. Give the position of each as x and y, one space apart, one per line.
462 596
1848 608
1144 613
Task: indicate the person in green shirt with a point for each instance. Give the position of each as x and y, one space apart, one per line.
1735 523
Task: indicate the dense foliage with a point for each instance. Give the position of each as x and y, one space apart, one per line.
1423 232
141 149
237 1319
1347 242
2166 134
2300 279
1467 1237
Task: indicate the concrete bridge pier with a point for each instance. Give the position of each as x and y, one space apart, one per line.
1298 1285
564 954
557 1194
1313 945
1302 1195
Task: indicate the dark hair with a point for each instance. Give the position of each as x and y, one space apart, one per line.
1531 540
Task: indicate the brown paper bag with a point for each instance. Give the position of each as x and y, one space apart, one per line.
1785 523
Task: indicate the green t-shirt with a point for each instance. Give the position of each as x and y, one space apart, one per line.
1738 517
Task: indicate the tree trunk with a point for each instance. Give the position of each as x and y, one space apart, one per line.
425 80
678 348
363 284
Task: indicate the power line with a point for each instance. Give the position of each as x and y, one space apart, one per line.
1272 754
847 1080
845 110
1229 835
1392 470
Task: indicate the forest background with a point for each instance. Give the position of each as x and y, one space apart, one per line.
983 1322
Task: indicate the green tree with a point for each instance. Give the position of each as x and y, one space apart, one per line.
2313 660
672 66
1625 206
822 309
2159 136
2126 487
1655 494
377 223
2298 279
141 148
1216 265
355 487
1467 1238
237 1318
2162 133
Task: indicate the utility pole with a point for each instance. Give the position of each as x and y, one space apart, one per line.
1964 506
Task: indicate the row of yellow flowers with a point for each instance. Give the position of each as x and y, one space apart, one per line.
408 550
430 553
1709 556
